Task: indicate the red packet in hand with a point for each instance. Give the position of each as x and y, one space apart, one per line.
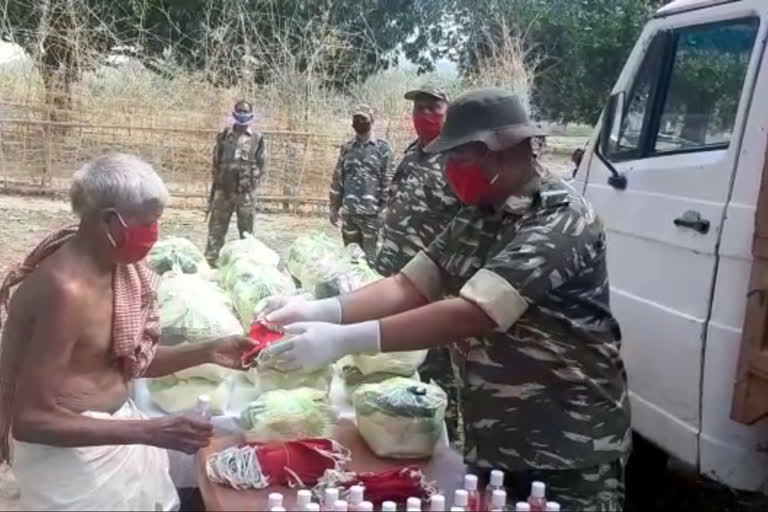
264 335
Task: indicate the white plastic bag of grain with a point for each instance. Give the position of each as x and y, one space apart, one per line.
400 418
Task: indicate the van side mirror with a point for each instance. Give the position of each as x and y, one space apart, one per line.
610 131
611 128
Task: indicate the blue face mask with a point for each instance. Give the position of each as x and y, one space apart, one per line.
243 118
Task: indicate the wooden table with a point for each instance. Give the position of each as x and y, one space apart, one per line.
445 468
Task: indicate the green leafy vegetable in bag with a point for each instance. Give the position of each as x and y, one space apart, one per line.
248 247
400 418
176 251
288 416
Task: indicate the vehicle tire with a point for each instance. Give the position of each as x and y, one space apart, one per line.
645 474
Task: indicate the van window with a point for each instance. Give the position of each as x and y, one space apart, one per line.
686 93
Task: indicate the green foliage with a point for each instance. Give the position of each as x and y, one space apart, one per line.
579 46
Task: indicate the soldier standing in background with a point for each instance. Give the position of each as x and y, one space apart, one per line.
360 184
421 206
238 162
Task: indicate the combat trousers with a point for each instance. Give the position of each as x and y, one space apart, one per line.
362 230
596 489
223 206
439 367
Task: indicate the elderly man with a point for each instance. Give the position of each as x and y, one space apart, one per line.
82 325
521 274
421 206
238 162
360 183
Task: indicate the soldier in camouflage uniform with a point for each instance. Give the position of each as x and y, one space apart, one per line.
522 274
421 206
238 162
360 183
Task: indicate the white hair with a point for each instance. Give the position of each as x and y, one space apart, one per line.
116 180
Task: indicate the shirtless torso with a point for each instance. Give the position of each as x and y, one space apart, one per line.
73 368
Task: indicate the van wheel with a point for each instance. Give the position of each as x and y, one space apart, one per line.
645 472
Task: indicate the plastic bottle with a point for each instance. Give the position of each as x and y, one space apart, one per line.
413 503
460 498
355 497
312 507
365 506
473 497
522 506
553 506
340 506
330 498
495 483
203 406
498 501
437 503
389 506
538 500
303 498
275 499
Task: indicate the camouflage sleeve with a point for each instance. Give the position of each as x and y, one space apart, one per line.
259 157
215 157
542 253
426 271
385 175
337 185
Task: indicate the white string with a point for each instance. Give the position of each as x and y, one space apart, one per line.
237 467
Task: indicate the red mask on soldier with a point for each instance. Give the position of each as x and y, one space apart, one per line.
427 126
469 183
136 241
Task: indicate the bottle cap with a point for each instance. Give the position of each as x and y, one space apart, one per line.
457 509
437 503
553 506
538 489
460 498
312 507
356 494
303 498
499 498
412 509
389 506
470 482
365 506
277 509
340 506
331 495
275 499
497 478
413 503
522 506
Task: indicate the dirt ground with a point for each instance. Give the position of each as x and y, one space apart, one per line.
25 220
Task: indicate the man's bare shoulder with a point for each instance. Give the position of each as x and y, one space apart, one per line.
48 288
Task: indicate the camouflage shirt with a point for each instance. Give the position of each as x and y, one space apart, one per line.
359 181
421 205
548 389
238 160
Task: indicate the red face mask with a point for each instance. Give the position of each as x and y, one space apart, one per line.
469 183
427 126
137 241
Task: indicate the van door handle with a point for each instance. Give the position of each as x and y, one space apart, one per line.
692 220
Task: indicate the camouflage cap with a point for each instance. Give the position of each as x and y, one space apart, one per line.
430 89
493 116
365 111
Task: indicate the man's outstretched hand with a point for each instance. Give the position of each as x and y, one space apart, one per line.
228 351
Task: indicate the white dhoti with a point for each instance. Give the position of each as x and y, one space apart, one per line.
131 478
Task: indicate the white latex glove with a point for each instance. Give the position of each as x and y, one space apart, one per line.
310 346
284 310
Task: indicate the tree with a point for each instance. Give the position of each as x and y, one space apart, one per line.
579 46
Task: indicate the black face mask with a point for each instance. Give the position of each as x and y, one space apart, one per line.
361 126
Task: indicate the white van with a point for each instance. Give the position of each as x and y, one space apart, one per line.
678 171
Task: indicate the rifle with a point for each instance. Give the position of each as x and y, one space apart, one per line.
210 200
